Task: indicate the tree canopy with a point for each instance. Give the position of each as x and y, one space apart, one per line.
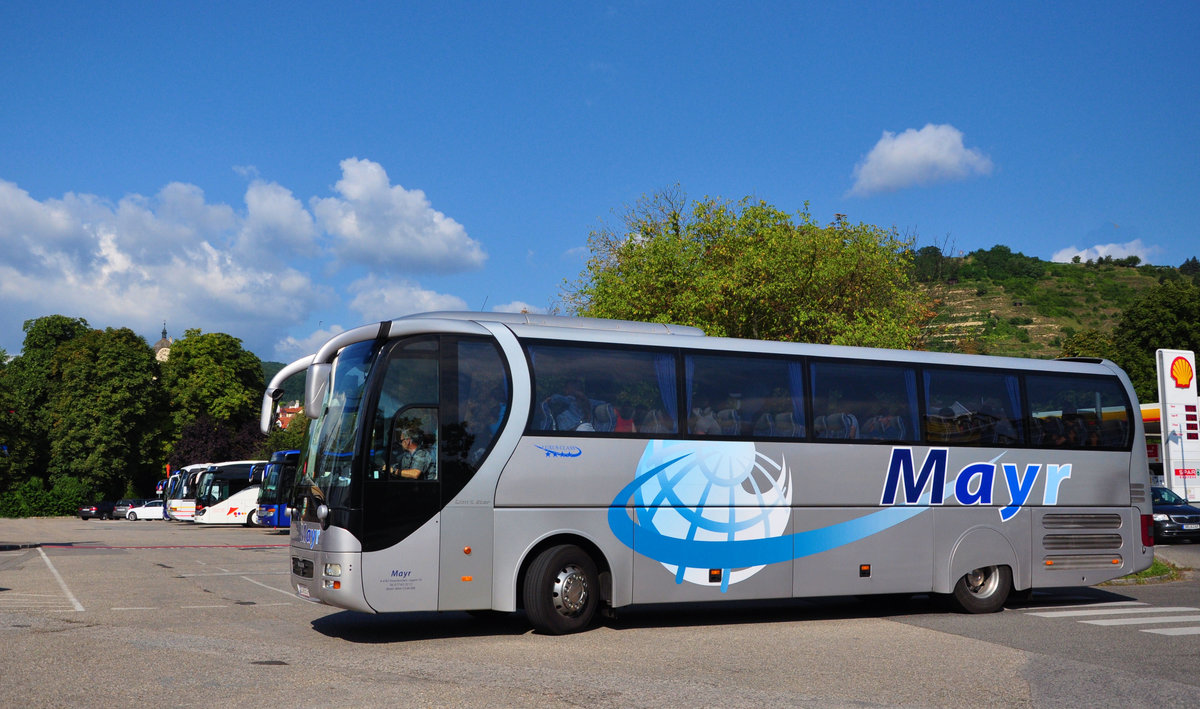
749 270
211 374
1166 317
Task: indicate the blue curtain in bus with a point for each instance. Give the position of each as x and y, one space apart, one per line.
796 384
664 368
1013 385
914 424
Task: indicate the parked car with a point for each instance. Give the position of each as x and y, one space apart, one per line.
101 510
152 509
1174 518
123 506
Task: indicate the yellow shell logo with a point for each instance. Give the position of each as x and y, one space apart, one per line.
1181 372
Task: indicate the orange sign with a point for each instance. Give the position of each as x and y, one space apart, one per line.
1181 372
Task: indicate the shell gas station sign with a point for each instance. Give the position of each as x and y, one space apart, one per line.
1180 421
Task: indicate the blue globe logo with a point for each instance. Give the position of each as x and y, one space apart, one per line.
705 493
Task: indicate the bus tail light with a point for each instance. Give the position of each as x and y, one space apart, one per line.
1147 531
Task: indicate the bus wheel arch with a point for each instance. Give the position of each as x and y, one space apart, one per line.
563 583
981 571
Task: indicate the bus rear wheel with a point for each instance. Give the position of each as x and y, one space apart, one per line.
983 590
561 590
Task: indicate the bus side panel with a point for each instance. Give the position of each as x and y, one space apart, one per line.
656 580
234 510
404 577
465 571
519 530
900 557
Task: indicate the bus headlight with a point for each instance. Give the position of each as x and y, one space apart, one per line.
333 569
1160 517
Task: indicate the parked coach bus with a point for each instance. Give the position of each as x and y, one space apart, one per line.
179 495
464 461
278 481
227 493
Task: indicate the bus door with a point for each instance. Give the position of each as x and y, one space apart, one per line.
401 485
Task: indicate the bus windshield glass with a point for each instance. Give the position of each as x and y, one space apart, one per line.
327 462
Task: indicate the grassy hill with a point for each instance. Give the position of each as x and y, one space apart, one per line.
998 302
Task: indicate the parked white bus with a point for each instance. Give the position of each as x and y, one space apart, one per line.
464 461
227 493
179 494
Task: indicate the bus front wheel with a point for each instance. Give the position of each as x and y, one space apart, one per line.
983 590
561 590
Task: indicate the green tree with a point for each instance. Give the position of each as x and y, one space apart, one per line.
8 423
31 382
749 270
1165 317
212 374
108 413
1089 343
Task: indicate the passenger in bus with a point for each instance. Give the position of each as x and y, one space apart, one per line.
625 422
415 461
572 409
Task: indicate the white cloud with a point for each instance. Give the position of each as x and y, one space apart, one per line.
276 222
376 223
377 298
1117 251
139 262
290 348
917 157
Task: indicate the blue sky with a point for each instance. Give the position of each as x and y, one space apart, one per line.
283 171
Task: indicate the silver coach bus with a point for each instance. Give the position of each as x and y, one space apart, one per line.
471 461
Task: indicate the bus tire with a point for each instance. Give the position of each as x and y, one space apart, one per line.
252 518
561 590
983 590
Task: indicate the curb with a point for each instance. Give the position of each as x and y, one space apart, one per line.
13 546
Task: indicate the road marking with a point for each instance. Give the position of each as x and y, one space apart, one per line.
1174 631
1110 604
288 593
136 608
1113 611
63 584
233 573
1144 621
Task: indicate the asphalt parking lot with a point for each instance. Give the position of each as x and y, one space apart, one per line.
104 612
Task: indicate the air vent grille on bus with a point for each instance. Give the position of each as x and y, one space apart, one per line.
1082 521
1137 493
1060 542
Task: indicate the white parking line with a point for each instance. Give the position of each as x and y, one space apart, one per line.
1143 620
1174 631
259 583
63 584
1110 604
1113 611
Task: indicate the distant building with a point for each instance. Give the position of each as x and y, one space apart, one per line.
287 413
162 348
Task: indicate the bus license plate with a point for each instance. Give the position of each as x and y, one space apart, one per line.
1191 526
302 590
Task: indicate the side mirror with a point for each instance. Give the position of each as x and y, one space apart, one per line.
315 386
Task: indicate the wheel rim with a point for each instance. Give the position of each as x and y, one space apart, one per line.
983 582
570 591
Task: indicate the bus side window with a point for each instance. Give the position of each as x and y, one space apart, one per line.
853 401
1070 411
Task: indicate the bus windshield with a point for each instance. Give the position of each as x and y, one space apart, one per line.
325 476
